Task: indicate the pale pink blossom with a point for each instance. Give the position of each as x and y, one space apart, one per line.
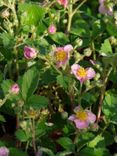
30 53
104 8
81 73
62 55
52 29
63 2
4 151
15 89
82 118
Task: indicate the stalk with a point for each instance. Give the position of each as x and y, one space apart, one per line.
103 89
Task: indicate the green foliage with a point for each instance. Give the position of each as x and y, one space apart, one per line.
66 143
32 14
21 135
37 102
110 106
30 82
14 152
106 48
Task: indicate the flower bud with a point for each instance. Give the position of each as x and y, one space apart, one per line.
64 115
15 89
79 42
52 29
30 53
97 76
4 151
5 13
113 40
87 52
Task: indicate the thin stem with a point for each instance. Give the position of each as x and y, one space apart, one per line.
80 94
70 15
33 135
103 89
79 6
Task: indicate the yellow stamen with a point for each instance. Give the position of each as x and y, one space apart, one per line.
81 72
61 55
81 115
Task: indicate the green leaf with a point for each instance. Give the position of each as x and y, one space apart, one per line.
60 38
30 82
110 59
110 105
38 102
31 14
63 81
106 48
66 143
21 135
94 152
6 84
7 39
111 28
95 141
2 119
16 152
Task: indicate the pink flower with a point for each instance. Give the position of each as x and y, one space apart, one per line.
62 54
81 73
15 89
63 2
52 29
4 151
82 118
30 53
104 8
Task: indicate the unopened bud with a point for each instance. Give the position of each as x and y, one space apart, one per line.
87 52
5 13
79 42
65 21
97 76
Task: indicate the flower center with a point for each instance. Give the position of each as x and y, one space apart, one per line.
81 115
81 72
61 55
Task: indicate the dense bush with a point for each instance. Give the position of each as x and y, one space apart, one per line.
58 84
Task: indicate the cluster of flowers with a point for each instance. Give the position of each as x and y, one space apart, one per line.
82 118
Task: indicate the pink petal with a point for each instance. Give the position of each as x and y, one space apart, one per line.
90 73
101 1
68 48
76 109
74 68
81 124
72 118
91 117
102 9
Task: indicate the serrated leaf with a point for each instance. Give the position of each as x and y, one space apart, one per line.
63 81
106 48
66 143
95 141
6 84
94 152
38 102
109 107
30 82
21 135
31 14
60 38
